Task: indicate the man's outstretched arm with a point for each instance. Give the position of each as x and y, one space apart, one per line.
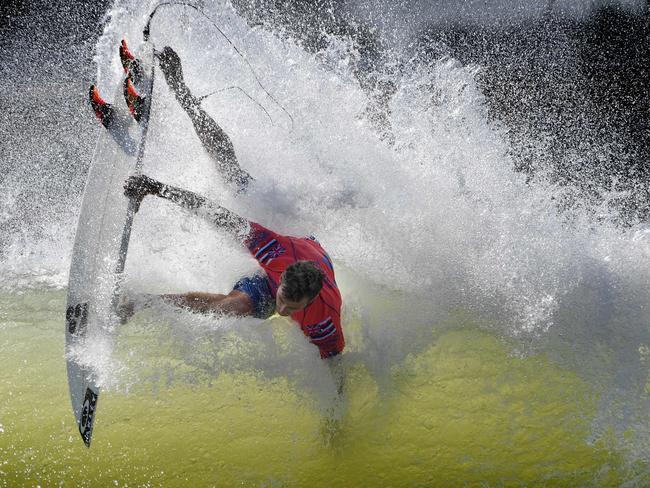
139 186
235 303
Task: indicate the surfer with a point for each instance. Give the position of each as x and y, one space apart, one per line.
296 277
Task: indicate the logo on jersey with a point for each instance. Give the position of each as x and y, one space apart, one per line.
269 252
321 331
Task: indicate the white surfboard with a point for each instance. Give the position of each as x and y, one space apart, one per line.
101 245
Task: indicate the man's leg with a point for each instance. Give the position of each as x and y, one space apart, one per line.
214 139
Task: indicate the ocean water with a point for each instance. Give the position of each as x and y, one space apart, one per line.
494 338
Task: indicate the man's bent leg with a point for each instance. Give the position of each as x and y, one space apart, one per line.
219 146
214 139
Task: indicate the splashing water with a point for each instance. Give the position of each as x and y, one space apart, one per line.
434 237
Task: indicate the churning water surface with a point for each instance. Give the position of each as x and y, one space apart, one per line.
494 337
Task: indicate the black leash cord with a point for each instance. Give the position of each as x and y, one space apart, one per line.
147 31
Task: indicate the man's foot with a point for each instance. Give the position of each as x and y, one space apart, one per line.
130 63
134 101
103 110
170 64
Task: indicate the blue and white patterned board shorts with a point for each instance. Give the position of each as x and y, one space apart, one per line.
257 287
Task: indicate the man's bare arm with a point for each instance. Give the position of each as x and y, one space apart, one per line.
236 302
139 186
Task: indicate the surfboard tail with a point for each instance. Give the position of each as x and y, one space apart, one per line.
87 418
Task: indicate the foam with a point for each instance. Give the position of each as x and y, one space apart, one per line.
437 223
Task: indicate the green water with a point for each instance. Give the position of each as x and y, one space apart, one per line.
464 412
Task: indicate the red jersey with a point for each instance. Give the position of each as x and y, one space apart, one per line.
320 321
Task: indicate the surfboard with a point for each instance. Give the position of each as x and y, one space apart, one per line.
101 245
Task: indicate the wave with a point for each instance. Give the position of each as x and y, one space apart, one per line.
429 230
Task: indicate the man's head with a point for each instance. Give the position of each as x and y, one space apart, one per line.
299 285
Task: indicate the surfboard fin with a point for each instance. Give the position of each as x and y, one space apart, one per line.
133 100
131 64
103 111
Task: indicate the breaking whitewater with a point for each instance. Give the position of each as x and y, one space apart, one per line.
492 336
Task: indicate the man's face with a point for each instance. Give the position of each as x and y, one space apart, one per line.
286 307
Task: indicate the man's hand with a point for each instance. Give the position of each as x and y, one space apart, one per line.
125 309
137 187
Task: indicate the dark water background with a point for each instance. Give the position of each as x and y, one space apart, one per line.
46 51
571 86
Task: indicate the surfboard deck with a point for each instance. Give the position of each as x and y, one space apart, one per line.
100 248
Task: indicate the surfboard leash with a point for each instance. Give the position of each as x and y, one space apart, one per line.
235 87
147 31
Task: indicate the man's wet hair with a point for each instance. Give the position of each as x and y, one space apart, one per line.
302 279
